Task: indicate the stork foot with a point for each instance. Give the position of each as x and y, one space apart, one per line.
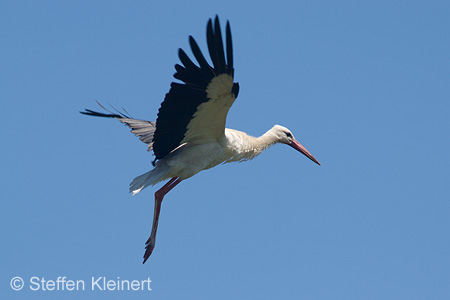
149 246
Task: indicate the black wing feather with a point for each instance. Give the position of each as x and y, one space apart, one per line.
204 66
182 100
220 55
230 68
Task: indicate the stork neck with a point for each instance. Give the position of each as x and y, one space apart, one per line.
256 145
244 147
261 143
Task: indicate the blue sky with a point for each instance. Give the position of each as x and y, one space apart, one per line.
364 86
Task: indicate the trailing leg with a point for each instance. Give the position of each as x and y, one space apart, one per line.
159 195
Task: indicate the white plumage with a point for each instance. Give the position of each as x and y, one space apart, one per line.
191 157
190 135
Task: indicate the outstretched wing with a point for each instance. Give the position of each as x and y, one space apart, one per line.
195 111
143 129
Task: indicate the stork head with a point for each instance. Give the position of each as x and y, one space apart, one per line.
285 136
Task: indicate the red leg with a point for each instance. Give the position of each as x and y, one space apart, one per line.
159 195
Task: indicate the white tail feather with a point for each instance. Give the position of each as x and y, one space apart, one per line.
149 178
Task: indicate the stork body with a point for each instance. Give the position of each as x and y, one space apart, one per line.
190 135
191 158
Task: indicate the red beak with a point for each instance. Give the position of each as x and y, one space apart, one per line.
299 147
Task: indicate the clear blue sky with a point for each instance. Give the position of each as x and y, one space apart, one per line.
364 86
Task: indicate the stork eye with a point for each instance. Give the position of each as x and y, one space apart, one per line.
288 134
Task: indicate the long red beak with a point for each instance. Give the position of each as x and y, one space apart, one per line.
299 147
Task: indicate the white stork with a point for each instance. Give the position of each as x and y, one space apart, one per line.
189 134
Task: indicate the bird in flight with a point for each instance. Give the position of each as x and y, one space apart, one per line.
189 134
